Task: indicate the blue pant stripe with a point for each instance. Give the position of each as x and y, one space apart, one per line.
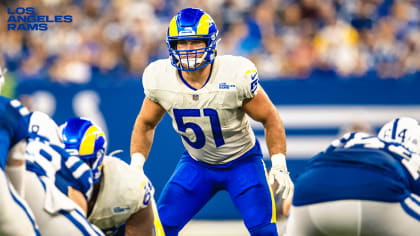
81 215
78 224
409 209
31 219
415 200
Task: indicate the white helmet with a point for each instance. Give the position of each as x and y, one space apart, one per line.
403 130
41 125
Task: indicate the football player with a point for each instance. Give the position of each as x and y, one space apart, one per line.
15 216
123 195
208 98
58 185
361 185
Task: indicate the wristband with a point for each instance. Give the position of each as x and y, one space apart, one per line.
137 159
278 159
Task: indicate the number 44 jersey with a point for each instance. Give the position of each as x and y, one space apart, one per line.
210 120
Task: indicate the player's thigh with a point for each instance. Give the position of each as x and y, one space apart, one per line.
384 218
61 223
184 195
15 216
332 218
299 223
248 187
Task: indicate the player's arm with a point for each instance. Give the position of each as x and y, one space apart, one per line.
78 198
144 127
261 109
18 119
140 223
15 166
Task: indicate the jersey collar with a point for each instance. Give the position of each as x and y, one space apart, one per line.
191 87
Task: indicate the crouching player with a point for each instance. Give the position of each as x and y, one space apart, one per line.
123 195
58 185
15 216
362 185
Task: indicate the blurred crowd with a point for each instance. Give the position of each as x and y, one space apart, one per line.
287 39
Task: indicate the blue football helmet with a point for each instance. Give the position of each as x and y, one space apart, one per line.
192 23
83 138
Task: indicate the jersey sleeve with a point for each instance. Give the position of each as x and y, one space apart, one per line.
74 173
17 119
248 84
149 82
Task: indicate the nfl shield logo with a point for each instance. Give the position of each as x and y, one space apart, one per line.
195 97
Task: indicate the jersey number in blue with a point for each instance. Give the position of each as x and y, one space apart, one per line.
199 134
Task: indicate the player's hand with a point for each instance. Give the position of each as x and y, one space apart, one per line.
280 174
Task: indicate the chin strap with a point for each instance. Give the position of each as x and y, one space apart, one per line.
113 153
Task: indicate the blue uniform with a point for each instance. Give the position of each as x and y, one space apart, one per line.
67 175
358 173
359 186
14 120
15 217
195 182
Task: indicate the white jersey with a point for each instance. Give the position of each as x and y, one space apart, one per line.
210 120
123 191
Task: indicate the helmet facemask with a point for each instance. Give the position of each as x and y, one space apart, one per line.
193 59
192 24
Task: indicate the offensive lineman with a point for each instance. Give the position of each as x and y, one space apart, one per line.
58 185
362 185
123 196
208 96
15 216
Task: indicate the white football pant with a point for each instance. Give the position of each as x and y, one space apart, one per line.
64 222
15 216
356 218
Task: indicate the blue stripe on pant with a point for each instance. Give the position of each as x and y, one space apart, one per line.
194 183
80 221
411 206
24 207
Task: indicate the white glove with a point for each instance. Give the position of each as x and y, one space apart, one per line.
280 174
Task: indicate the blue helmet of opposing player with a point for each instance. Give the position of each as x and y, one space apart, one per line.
83 138
192 23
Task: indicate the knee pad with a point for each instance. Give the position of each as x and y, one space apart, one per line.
266 230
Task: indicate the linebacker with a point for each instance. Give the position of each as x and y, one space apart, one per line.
58 185
208 98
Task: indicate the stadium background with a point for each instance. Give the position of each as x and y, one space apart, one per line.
329 66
